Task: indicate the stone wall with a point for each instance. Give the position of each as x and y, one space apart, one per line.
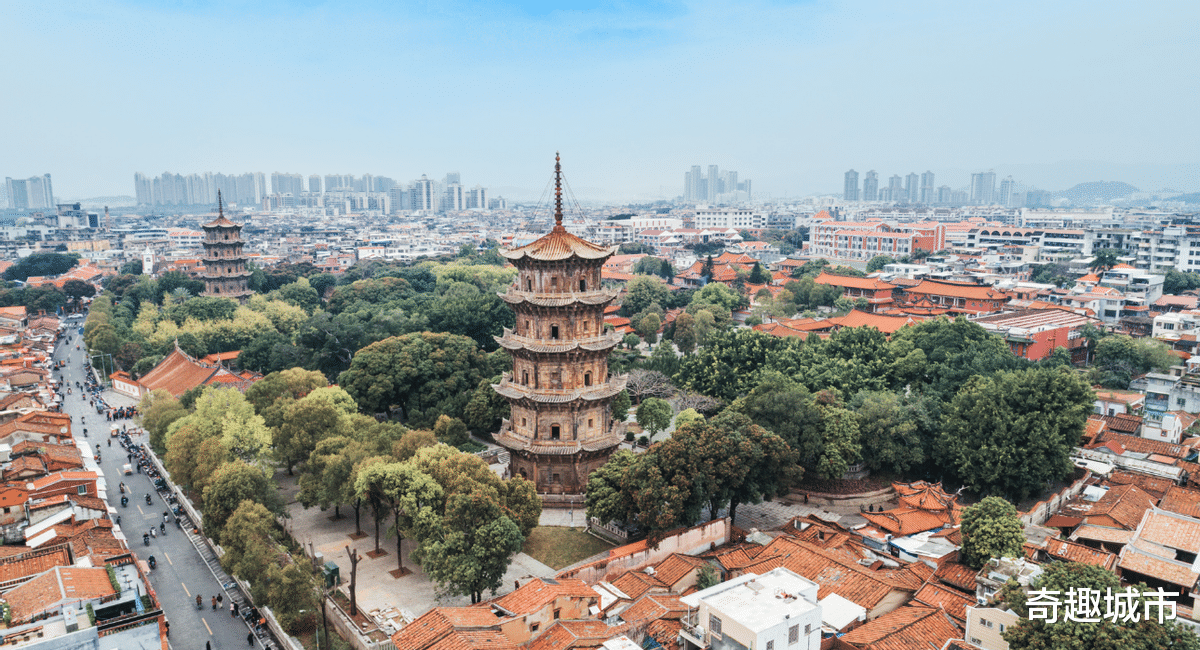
1039 512
688 541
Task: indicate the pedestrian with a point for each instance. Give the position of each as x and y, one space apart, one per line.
232 610
214 602
167 626
208 645
250 639
220 599
235 608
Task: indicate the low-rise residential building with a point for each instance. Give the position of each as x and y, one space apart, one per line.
775 611
1034 334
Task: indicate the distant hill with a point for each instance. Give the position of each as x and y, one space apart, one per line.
1194 197
1096 192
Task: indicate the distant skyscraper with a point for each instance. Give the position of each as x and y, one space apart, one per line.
712 188
870 190
33 193
850 191
983 188
282 183
896 189
691 185
912 187
454 200
1008 187
423 197
314 184
928 193
944 194
452 177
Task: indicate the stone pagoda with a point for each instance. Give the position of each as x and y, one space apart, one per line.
561 427
225 274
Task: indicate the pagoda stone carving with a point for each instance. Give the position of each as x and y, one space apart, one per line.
561 426
225 274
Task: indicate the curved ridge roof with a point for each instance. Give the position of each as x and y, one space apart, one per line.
516 297
558 244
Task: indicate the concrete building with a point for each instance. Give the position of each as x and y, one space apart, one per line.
777 610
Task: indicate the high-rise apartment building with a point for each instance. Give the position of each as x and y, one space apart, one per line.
713 188
896 189
983 188
314 184
1008 188
477 198
850 191
33 193
870 188
423 196
912 187
945 194
718 187
283 183
928 194
453 201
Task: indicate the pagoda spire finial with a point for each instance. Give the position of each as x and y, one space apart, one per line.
558 212
220 206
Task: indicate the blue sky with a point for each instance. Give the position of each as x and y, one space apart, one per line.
790 94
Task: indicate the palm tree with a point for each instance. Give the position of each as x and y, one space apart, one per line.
1103 259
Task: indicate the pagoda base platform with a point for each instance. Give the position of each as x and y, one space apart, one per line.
558 469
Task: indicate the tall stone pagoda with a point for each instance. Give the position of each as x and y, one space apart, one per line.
225 274
561 427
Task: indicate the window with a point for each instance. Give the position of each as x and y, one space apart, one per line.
555 479
524 422
1002 628
583 285
528 287
587 379
525 378
533 627
591 423
82 489
986 623
975 641
770 645
554 432
807 630
793 634
554 332
554 282
714 624
556 613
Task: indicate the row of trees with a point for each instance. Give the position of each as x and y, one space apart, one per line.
225 447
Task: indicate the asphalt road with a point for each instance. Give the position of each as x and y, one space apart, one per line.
181 573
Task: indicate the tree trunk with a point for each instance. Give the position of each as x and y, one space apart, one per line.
399 551
376 535
354 560
290 463
357 512
336 513
733 504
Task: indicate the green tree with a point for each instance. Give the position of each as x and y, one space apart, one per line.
413 497
224 413
301 294
641 292
891 428
1012 433
686 417
471 547
840 444
248 540
1104 259
451 431
647 328
292 596
41 264
787 409
77 289
486 408
1068 577
158 409
424 374
328 478
685 337
231 484
323 413
170 281
1120 357
706 577
991 528
728 366
205 308
1177 282
466 310
620 406
718 295
758 275
272 394
654 415
878 262
606 498
707 270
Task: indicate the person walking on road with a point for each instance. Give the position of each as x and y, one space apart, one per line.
250 639
214 602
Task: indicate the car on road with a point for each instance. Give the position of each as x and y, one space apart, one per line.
127 469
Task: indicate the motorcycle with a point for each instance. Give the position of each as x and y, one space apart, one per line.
124 501
148 498
153 533
152 562
146 538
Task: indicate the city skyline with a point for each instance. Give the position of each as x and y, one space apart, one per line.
609 85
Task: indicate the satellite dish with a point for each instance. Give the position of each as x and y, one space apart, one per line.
62 430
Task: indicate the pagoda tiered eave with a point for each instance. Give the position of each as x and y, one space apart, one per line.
585 298
556 448
515 391
511 341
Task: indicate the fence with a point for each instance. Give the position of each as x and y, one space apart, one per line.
1039 512
688 541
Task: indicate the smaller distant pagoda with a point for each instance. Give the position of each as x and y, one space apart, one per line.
225 274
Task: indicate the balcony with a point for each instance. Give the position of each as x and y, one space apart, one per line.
694 635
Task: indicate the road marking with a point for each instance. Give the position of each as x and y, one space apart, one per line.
185 590
206 625
140 509
169 561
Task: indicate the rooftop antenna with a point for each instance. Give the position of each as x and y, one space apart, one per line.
558 212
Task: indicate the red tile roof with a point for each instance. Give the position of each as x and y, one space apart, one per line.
956 290
953 601
850 282
439 623
59 584
536 593
907 628
557 245
1061 549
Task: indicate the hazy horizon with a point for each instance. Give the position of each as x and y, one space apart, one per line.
789 94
